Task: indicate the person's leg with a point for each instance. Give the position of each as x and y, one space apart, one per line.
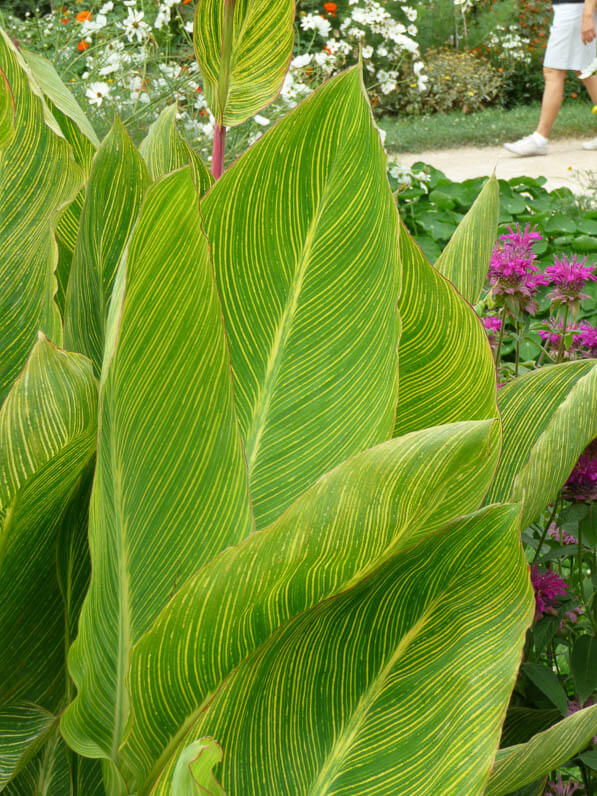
553 96
590 84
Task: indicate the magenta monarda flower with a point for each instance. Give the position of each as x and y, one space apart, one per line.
582 483
585 340
560 535
553 336
569 276
492 326
512 274
561 788
548 586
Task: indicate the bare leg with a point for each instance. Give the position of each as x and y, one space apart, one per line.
553 96
591 87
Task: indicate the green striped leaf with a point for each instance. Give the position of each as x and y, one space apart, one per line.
23 728
303 233
164 150
114 193
47 438
465 260
30 210
446 366
345 698
243 48
548 417
347 524
517 766
48 774
171 486
79 133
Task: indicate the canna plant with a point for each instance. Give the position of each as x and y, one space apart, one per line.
260 504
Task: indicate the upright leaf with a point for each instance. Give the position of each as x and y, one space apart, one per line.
38 176
47 437
170 488
345 698
80 134
446 367
548 417
243 48
520 765
583 664
347 524
164 150
23 728
304 234
113 198
465 260
193 774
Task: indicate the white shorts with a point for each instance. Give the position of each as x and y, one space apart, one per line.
565 49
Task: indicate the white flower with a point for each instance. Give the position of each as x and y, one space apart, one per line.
317 23
112 64
162 18
188 26
412 30
422 82
261 120
418 67
411 13
134 26
382 52
388 86
367 52
97 92
93 25
331 46
109 6
301 61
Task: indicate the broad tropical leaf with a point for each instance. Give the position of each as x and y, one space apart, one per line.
79 133
522 723
446 367
304 238
47 438
548 417
350 521
23 728
465 260
327 705
521 765
193 775
48 774
113 197
171 487
30 210
244 70
164 150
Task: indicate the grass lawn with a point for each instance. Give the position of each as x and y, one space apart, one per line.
485 128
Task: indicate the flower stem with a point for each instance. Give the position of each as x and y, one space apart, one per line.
563 337
217 155
517 360
545 529
498 350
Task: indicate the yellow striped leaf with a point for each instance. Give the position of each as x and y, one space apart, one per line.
48 774
47 438
303 233
465 260
446 366
243 48
113 197
79 133
23 728
164 150
193 775
171 486
346 525
548 417
517 766
397 685
30 210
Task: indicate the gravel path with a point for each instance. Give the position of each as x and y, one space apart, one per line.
565 157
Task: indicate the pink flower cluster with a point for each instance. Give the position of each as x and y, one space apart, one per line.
585 339
561 788
512 273
560 535
582 483
548 586
568 276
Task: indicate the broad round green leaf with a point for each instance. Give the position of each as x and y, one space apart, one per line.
30 211
303 233
346 525
548 417
397 685
113 197
244 76
171 487
47 438
465 260
516 766
446 367
164 150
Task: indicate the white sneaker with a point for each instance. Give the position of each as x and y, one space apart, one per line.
526 146
592 144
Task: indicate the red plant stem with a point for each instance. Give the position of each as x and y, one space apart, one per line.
217 155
